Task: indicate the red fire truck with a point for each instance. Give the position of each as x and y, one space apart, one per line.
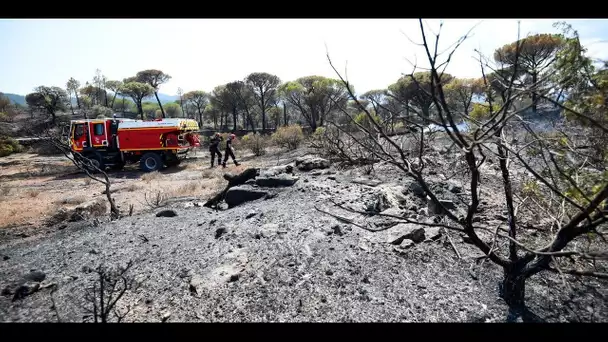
116 142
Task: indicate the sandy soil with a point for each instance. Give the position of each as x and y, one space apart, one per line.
34 187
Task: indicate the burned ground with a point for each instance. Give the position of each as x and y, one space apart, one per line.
280 259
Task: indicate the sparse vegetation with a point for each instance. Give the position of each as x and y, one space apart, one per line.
9 146
105 294
289 136
256 143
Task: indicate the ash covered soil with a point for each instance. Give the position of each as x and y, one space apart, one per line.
279 259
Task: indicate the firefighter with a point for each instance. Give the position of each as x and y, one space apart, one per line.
229 151
214 148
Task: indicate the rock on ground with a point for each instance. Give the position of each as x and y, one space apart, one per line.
308 163
241 194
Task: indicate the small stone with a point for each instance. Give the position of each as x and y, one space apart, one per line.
35 276
432 233
251 214
45 285
407 243
6 291
165 316
337 230
5 257
220 231
166 213
234 277
454 188
25 290
329 272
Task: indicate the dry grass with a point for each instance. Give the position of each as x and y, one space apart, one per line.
207 173
132 187
150 176
155 199
46 196
5 190
33 193
73 200
98 208
193 166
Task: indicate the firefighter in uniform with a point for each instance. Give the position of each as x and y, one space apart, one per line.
230 151
214 148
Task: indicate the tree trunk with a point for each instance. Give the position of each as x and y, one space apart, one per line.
234 118
250 119
534 95
426 113
113 99
285 114
514 292
263 114
140 109
200 117
72 107
159 104
77 99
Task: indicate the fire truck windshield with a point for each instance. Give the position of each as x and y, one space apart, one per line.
78 130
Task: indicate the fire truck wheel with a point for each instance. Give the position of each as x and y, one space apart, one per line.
151 162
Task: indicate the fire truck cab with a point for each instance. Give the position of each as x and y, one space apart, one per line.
113 143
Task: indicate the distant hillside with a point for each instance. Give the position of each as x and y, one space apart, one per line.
18 99
164 98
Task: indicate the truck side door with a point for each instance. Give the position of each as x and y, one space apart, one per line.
99 134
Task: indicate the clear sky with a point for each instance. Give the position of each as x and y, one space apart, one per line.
200 54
